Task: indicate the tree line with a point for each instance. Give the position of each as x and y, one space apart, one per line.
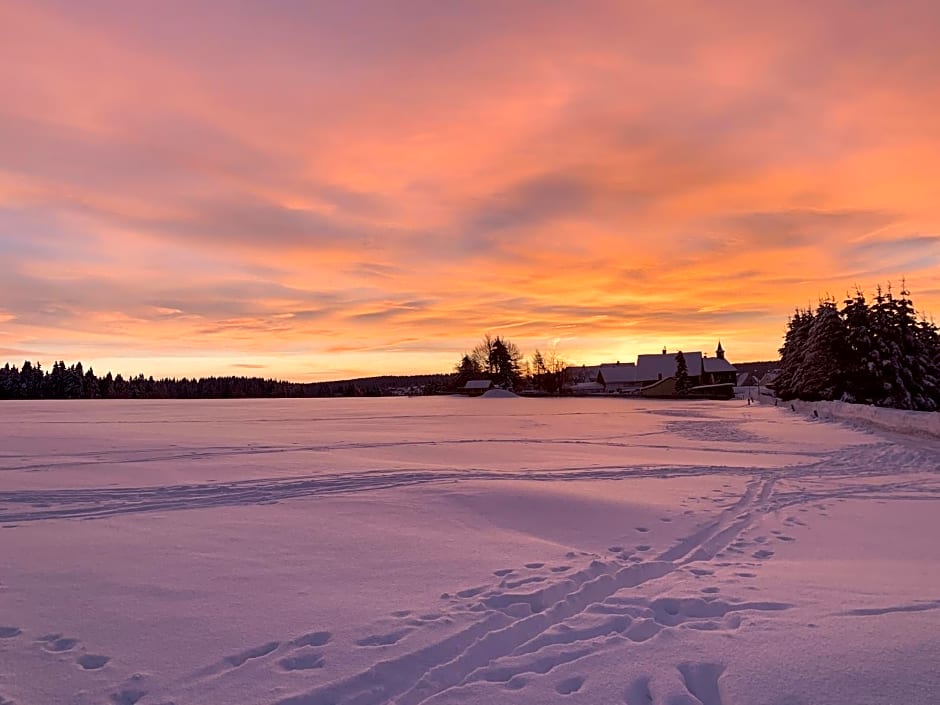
879 352
31 381
74 382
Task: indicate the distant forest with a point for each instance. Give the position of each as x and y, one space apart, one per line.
879 352
73 382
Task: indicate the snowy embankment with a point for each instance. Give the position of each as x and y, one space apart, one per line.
433 551
898 420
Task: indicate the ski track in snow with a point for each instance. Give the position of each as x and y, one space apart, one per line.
868 462
525 621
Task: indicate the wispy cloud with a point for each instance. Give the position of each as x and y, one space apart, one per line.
326 190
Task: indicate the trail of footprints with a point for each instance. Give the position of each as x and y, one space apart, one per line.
531 621
534 619
56 644
59 644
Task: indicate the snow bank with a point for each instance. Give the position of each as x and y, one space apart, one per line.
500 394
899 420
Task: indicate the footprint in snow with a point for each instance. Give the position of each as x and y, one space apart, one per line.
59 645
302 662
383 639
92 662
560 568
638 693
642 529
763 553
643 547
534 565
569 685
316 638
9 632
502 572
128 696
615 549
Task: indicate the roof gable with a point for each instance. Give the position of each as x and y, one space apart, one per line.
653 367
718 364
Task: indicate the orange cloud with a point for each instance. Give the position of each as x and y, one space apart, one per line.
331 191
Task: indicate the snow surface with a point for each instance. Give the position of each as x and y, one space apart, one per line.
445 550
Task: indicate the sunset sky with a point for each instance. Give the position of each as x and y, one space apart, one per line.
316 190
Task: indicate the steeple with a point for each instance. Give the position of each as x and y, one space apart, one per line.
720 352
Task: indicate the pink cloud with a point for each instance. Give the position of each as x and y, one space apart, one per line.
382 184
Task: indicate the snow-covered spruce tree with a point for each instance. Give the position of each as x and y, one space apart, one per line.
929 336
863 383
911 375
821 374
683 383
792 353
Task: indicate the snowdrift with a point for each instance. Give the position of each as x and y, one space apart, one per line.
500 394
927 422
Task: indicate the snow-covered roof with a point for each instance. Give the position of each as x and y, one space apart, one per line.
478 384
717 364
618 373
650 368
770 377
587 373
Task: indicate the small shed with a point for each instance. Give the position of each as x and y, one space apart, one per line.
476 387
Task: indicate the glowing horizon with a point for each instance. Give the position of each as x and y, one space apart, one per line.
334 190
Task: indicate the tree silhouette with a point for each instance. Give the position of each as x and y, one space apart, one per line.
683 383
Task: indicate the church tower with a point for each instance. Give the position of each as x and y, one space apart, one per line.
720 352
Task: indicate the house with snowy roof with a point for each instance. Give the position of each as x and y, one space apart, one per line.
710 377
701 368
618 377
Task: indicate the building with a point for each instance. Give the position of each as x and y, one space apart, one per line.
476 387
654 368
581 373
702 370
618 377
717 370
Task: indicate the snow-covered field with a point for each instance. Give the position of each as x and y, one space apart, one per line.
444 550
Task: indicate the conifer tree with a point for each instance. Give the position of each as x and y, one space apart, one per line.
683 383
792 353
820 375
